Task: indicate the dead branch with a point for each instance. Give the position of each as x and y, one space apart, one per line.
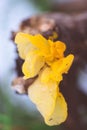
71 29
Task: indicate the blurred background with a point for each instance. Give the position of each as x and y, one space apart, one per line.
17 112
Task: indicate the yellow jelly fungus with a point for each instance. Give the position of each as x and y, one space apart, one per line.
53 36
45 58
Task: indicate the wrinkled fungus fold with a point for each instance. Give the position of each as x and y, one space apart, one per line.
46 59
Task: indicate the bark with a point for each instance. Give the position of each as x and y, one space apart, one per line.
71 29
69 5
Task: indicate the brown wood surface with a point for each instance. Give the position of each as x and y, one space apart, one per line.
71 29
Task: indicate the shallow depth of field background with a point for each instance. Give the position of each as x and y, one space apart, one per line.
17 112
